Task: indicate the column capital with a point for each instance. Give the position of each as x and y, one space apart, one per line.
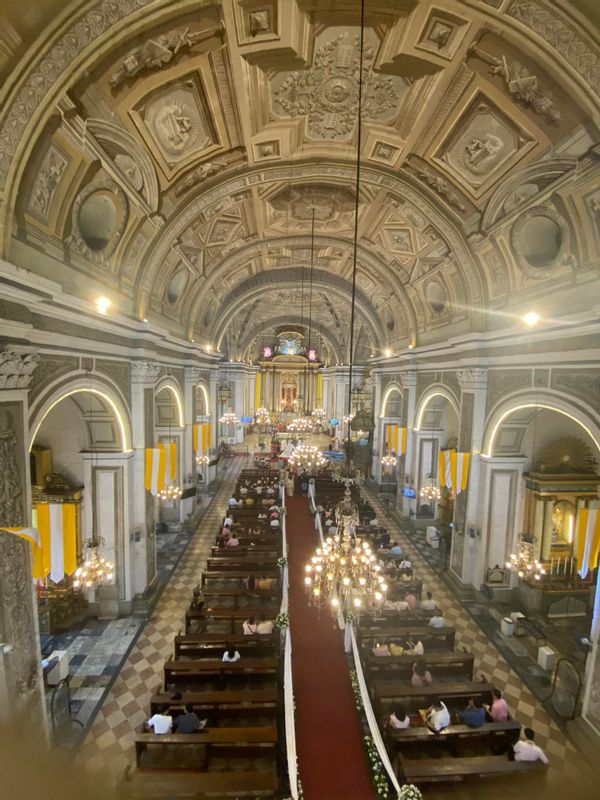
16 369
192 374
144 371
408 379
472 378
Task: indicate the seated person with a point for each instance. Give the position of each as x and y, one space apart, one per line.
429 603
415 648
527 750
240 503
226 533
275 514
396 649
399 719
396 605
262 515
384 540
263 584
380 649
265 626
249 501
411 600
244 490
230 655
420 675
395 549
473 715
274 507
374 523
189 722
249 583
274 523
437 716
232 502
258 488
405 564
249 626
228 520
233 541
498 711
270 491
437 621
198 599
406 576
160 723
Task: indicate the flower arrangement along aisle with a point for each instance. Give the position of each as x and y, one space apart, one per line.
409 792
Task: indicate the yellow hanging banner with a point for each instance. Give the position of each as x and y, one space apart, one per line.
588 542
156 468
257 390
195 437
31 535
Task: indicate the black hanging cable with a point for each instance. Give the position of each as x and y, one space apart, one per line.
310 301
356 205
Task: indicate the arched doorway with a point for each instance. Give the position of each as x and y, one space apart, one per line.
390 418
169 430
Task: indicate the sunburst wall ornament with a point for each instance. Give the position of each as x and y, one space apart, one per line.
568 454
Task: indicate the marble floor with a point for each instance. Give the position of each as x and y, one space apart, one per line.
108 748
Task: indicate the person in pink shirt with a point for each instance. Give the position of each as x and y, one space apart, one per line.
498 711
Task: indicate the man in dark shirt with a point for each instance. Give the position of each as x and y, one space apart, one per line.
189 722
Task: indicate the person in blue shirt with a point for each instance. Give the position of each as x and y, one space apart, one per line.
395 549
473 715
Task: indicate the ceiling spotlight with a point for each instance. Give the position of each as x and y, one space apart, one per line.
208 348
387 352
144 320
411 346
531 318
102 305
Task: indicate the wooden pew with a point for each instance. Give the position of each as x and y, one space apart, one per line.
193 670
235 595
155 785
199 646
255 562
492 737
433 638
448 665
234 616
389 693
238 575
438 770
271 549
391 617
207 702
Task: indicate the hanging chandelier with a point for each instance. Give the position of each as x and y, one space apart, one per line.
431 492
262 416
307 456
170 493
300 425
344 574
229 418
347 418
319 414
389 460
523 561
95 571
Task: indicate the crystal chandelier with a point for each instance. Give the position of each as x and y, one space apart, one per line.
389 460
300 425
229 418
347 418
170 493
319 414
523 562
95 571
431 492
344 573
262 416
307 456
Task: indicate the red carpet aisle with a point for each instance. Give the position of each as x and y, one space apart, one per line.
328 731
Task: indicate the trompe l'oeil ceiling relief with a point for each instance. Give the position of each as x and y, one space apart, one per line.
181 159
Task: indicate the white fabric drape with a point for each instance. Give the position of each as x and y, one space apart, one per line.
288 684
371 720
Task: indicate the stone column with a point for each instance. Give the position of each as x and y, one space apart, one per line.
408 467
109 480
22 700
377 431
469 566
144 375
192 376
538 526
547 531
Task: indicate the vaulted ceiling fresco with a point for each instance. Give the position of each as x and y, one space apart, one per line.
175 154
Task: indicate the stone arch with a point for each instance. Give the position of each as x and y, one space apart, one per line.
436 390
73 384
391 387
200 386
257 329
549 400
170 385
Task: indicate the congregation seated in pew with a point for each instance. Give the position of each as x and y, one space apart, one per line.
498 711
420 674
474 714
231 655
429 603
437 716
437 621
527 750
399 719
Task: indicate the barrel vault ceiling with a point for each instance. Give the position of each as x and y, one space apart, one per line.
174 154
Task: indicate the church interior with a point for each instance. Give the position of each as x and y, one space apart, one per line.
299 399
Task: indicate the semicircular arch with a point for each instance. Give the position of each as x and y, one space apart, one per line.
433 391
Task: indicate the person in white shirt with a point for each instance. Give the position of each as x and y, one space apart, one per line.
437 716
415 649
396 605
374 523
429 603
527 750
399 719
160 723
437 621
265 626
228 520
232 502
274 508
405 564
274 523
231 655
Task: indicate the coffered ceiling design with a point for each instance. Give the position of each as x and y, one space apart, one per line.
177 155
